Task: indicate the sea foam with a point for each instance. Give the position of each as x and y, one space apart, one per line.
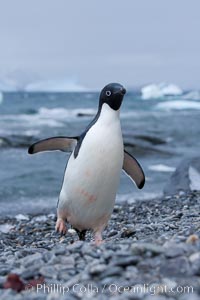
155 91
61 85
161 168
61 113
178 105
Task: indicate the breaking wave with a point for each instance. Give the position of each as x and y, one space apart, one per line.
155 91
161 168
178 105
61 85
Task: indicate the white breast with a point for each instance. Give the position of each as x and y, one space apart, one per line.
91 180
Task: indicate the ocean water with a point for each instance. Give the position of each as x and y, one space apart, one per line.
158 132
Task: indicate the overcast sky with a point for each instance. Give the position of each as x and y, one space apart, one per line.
131 41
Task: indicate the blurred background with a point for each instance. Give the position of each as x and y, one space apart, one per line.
56 56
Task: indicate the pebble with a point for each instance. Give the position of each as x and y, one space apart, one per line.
174 251
111 271
97 269
48 272
140 248
126 261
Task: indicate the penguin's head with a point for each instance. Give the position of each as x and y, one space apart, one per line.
112 94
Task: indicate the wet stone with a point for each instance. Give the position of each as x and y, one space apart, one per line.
111 271
126 261
4 270
174 252
31 259
176 266
146 247
97 269
48 272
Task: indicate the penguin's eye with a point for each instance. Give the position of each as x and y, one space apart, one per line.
108 93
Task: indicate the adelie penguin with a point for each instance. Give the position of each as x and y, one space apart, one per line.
93 170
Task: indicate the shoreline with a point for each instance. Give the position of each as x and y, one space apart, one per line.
145 243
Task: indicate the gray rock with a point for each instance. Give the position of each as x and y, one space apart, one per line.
195 267
30 273
185 178
97 269
67 260
192 296
176 266
48 272
126 261
8 294
174 252
4 270
2 280
112 271
141 248
194 257
31 259
75 246
59 250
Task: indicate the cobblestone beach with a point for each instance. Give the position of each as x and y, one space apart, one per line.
151 250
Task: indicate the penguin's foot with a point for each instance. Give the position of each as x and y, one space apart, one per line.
61 226
98 238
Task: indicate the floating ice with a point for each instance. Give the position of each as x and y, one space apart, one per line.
161 168
155 91
178 105
192 95
61 85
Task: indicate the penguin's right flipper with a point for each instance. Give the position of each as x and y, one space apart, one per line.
133 169
62 143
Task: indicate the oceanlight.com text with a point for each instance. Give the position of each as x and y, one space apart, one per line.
112 289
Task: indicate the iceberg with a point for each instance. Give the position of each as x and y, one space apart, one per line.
155 91
62 85
192 95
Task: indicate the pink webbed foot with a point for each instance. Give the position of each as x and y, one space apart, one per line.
61 226
98 238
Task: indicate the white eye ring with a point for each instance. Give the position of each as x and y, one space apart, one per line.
108 93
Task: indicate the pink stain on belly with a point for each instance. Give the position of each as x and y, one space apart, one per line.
90 198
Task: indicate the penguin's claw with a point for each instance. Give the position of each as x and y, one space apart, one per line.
61 227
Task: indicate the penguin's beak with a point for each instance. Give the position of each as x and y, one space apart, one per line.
123 91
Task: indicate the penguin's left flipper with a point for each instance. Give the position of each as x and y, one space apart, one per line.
133 169
66 144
